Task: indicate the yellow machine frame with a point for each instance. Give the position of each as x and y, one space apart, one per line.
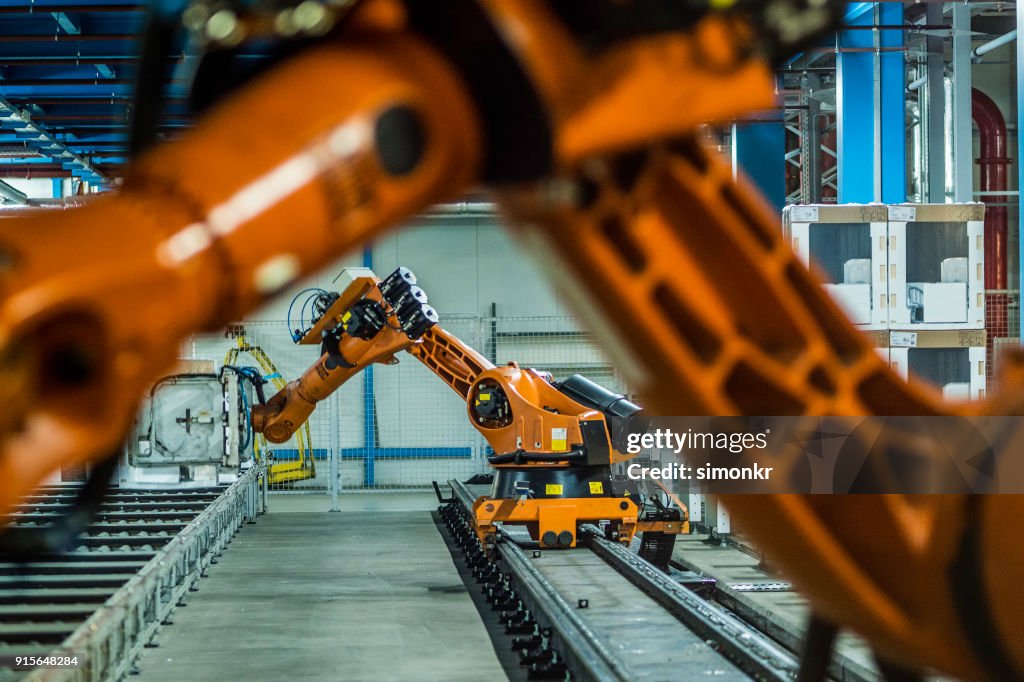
304 467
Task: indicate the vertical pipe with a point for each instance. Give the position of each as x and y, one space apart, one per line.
949 134
935 98
916 152
963 132
994 163
995 167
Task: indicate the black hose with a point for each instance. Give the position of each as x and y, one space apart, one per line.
524 457
818 645
157 41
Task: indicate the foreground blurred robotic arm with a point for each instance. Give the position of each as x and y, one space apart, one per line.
584 122
94 302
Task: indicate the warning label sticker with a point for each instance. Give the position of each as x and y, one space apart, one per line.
559 439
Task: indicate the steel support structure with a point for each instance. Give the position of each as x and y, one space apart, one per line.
810 139
934 109
963 129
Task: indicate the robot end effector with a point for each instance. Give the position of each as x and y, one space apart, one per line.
368 323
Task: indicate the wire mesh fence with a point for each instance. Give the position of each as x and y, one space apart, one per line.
398 427
1002 324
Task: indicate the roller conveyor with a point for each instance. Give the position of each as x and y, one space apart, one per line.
106 597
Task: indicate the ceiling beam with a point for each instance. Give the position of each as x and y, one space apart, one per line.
31 8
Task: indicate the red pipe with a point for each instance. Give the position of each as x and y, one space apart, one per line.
994 174
995 167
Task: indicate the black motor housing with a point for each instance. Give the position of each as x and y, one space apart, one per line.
621 414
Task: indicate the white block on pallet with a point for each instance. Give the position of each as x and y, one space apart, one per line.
951 360
936 266
854 299
847 246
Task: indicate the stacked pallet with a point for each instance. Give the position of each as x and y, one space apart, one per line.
912 277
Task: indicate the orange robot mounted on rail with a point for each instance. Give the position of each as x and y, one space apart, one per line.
553 442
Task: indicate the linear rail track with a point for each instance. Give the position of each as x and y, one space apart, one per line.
599 612
754 651
105 599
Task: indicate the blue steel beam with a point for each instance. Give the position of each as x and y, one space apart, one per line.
369 405
872 148
855 110
65 23
893 106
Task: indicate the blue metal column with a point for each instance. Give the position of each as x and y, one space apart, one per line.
369 406
759 148
893 106
58 188
871 106
855 110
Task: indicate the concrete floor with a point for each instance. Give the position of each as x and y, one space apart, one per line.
369 593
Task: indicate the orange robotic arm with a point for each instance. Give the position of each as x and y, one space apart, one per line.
553 442
523 414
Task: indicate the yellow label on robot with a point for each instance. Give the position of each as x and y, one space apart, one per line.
552 489
596 488
484 396
559 439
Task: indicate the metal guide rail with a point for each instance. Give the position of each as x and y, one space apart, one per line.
89 611
599 612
